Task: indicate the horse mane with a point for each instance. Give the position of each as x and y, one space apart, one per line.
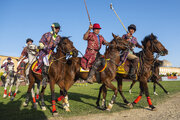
150 37
64 38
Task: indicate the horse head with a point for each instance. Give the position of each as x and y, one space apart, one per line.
66 47
150 42
120 44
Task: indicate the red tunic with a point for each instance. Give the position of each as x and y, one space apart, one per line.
92 49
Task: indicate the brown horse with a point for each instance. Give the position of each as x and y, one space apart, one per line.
151 46
56 70
155 77
112 57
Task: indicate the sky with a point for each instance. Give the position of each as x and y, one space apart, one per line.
22 19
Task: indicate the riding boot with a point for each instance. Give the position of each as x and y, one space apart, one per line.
91 73
132 73
45 75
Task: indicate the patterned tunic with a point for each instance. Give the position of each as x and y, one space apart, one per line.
94 45
49 43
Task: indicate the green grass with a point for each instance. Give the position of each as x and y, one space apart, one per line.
82 101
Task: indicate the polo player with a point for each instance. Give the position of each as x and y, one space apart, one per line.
9 67
133 58
25 56
95 41
47 44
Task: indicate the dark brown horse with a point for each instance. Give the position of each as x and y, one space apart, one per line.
112 56
56 70
151 46
155 77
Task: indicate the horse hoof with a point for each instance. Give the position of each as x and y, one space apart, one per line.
130 105
55 114
98 107
129 91
4 96
25 104
68 110
12 98
109 107
43 108
35 105
155 93
153 108
167 93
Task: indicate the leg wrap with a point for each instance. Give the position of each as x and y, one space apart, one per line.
137 99
149 101
60 98
53 106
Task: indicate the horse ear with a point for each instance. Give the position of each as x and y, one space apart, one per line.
152 35
114 35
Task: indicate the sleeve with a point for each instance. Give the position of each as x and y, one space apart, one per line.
90 36
137 44
124 37
3 65
104 41
42 42
24 52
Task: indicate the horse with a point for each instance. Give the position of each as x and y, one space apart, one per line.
32 52
107 74
64 48
151 46
9 80
154 78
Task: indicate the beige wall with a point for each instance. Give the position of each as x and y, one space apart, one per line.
3 58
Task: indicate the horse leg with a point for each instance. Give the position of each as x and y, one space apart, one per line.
147 95
162 87
29 91
5 88
121 93
37 91
140 94
54 112
154 88
132 84
111 86
104 90
43 106
33 96
17 87
11 84
99 96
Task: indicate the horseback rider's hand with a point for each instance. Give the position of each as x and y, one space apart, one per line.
90 26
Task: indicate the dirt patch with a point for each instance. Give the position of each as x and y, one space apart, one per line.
168 110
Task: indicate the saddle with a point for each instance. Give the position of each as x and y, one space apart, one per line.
125 67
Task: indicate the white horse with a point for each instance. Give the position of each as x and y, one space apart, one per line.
9 80
32 52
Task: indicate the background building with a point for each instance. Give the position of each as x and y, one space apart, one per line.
167 68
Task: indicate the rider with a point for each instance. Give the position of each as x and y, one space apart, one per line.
95 41
47 44
24 57
133 58
5 66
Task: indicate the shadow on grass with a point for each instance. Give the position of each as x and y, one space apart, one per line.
13 111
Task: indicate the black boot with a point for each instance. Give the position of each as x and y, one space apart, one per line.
132 74
91 73
45 75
